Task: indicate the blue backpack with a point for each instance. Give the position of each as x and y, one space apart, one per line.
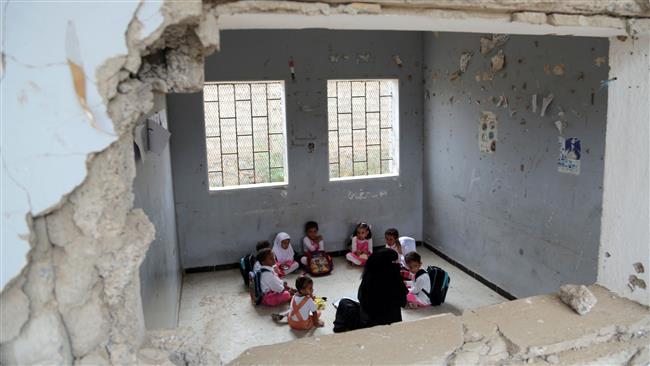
255 285
439 284
246 265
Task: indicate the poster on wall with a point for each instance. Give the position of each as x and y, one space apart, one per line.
487 134
569 161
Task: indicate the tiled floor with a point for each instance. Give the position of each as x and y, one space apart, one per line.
217 306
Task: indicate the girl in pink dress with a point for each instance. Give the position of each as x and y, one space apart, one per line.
361 245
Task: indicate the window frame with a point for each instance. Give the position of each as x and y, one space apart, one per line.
395 123
285 154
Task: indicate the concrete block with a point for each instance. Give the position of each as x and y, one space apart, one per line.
578 297
543 325
377 345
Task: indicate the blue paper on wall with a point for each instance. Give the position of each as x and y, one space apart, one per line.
570 152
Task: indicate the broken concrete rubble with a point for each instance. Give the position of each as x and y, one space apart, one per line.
578 297
539 329
179 346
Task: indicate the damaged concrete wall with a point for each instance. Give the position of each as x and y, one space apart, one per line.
160 272
78 298
510 215
217 228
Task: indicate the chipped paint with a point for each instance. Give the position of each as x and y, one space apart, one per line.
545 103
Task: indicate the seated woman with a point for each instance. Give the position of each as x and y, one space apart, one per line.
382 292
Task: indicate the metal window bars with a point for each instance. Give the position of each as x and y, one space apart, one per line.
360 125
245 133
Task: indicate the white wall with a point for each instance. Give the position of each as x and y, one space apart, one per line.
625 236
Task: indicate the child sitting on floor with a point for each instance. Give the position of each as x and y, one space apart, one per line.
275 292
361 245
312 242
303 313
284 255
260 245
392 242
418 295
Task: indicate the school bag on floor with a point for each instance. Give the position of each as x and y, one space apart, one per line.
439 284
246 265
348 316
255 285
319 263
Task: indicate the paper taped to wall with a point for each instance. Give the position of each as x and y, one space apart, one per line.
487 140
157 134
569 161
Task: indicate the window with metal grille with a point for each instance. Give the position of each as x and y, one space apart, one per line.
245 133
363 127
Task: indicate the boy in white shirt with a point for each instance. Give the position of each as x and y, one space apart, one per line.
418 296
260 245
275 291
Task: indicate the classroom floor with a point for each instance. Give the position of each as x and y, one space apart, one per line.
217 306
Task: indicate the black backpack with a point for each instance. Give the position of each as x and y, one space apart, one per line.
255 285
439 284
246 265
348 316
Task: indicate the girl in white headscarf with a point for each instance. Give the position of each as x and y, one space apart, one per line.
284 254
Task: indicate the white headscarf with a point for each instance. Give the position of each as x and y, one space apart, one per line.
408 244
282 255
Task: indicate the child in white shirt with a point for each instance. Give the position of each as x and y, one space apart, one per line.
260 245
303 313
284 254
274 290
312 242
418 295
361 245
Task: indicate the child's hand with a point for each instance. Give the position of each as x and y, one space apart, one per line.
399 247
319 238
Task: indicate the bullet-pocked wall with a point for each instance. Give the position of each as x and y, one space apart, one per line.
219 227
511 215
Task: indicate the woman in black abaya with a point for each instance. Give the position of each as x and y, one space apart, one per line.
382 292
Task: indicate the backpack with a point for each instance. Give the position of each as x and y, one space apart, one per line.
246 265
348 316
319 263
255 285
439 284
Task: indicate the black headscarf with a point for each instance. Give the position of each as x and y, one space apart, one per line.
382 292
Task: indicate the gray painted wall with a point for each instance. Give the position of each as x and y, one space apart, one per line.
511 216
160 272
220 227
